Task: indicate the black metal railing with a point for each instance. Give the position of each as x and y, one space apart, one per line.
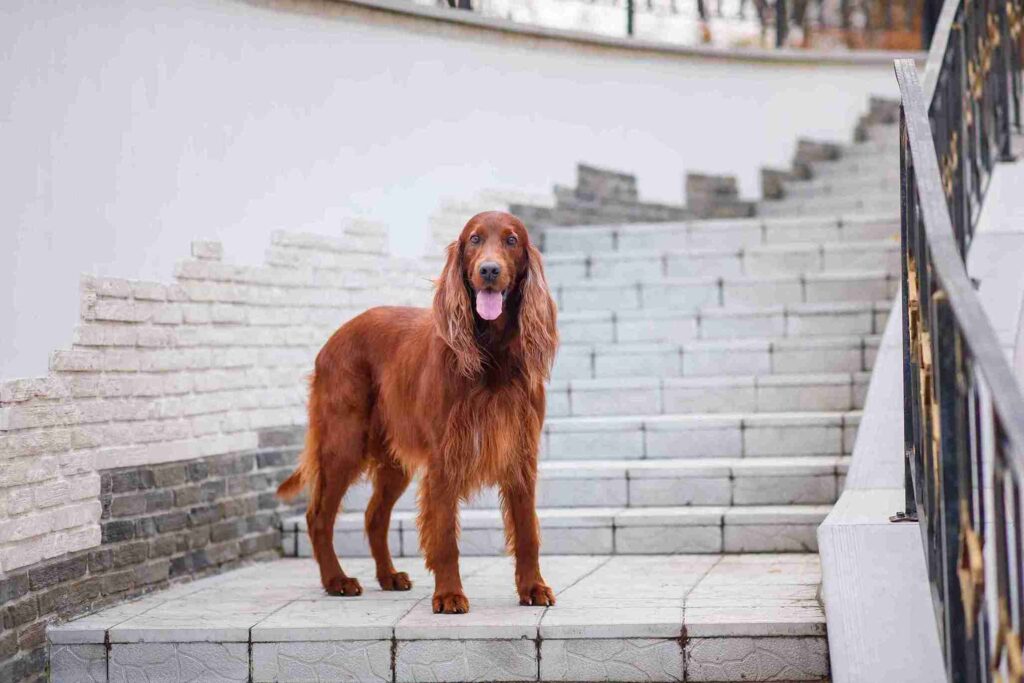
963 410
972 87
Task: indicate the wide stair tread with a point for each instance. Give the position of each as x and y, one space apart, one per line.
788 480
787 258
708 323
727 357
725 233
813 206
724 435
654 617
726 292
613 530
707 394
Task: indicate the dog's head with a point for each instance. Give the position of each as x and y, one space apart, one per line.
494 276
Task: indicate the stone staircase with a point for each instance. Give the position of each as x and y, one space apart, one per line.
707 392
702 411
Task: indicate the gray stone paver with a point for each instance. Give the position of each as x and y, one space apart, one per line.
611 620
488 619
330 620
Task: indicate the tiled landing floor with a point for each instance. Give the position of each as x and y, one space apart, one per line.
621 618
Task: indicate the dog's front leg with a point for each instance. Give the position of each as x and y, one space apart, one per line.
439 539
519 507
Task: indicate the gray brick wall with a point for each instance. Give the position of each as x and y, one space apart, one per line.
160 525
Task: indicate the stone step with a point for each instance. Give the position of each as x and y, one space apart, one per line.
706 435
761 260
882 147
622 618
842 185
715 322
857 167
596 531
716 358
695 395
654 483
829 205
733 233
883 131
729 292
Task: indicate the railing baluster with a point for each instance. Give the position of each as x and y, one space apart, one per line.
781 23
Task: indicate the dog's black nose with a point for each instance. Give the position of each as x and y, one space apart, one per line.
489 271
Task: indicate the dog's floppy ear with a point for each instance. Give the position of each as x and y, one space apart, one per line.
453 314
537 319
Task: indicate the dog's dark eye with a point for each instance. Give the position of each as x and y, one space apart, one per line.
511 240
474 239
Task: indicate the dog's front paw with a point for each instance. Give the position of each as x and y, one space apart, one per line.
343 585
451 603
538 593
399 581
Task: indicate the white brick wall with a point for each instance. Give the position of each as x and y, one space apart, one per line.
160 372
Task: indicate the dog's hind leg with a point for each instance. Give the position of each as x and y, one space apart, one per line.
389 482
342 450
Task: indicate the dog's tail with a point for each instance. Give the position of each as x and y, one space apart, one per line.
307 474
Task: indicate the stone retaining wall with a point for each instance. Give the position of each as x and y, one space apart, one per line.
160 524
170 372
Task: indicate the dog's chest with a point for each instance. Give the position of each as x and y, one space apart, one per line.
499 433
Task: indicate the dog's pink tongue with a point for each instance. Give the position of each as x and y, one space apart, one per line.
488 304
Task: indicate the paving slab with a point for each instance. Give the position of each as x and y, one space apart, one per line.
329 620
488 619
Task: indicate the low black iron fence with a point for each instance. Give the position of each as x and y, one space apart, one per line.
846 24
963 410
884 24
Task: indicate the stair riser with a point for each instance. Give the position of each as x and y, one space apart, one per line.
596 540
811 206
616 489
882 148
856 169
680 236
841 185
637 328
659 296
746 263
691 400
721 438
583 363
839 194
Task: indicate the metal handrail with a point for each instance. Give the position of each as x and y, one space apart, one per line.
973 99
937 49
963 410
946 260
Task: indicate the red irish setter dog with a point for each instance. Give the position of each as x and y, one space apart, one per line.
456 391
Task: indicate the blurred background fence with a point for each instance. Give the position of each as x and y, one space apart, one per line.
807 24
